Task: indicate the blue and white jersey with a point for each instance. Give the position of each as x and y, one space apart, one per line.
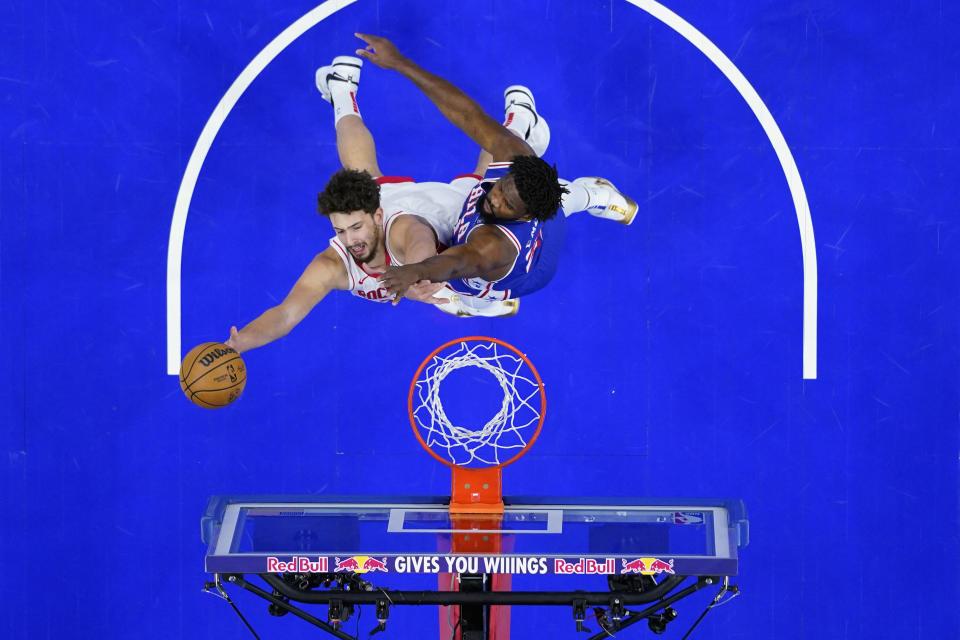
538 245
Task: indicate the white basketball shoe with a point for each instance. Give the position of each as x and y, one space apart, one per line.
606 202
468 307
537 135
343 71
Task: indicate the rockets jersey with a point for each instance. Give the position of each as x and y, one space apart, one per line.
435 203
538 244
360 281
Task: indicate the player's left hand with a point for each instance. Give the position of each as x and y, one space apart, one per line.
398 279
424 291
380 51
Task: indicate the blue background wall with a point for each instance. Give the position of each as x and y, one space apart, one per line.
671 349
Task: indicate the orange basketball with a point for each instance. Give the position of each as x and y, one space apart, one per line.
212 375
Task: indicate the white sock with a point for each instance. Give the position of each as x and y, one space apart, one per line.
577 198
518 120
344 101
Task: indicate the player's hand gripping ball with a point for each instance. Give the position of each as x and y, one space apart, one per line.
212 375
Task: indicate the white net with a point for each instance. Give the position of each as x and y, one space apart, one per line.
501 437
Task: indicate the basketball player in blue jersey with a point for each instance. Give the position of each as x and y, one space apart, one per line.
508 236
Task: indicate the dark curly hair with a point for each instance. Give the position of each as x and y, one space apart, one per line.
349 190
538 186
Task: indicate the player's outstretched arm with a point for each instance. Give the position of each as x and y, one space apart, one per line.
486 254
325 272
453 103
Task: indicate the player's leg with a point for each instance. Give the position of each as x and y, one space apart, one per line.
355 146
599 198
483 161
596 196
338 83
522 120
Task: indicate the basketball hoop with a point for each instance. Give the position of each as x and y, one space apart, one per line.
478 446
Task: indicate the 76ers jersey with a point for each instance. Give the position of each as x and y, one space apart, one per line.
538 244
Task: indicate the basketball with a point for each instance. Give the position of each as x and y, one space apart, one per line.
212 375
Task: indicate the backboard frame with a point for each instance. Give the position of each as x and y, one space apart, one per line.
478 603
220 527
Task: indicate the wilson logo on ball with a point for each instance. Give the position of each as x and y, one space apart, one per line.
214 355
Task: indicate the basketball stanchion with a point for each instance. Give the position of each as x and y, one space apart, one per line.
476 454
476 405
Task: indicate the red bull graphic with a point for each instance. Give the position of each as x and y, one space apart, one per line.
372 564
634 566
359 564
347 564
532 565
659 566
584 566
297 564
647 566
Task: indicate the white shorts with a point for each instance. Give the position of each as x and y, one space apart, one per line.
469 307
438 203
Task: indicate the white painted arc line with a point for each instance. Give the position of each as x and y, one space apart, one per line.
675 22
795 183
199 154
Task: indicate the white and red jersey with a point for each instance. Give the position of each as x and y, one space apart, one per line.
362 282
436 203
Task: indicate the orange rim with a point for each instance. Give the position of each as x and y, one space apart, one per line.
426 361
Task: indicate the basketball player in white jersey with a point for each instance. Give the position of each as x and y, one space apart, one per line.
408 223
379 221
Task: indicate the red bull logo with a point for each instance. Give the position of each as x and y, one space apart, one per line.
360 564
297 564
647 566
585 566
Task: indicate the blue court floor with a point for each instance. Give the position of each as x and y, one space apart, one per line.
675 353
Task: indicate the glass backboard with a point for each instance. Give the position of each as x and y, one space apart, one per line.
568 536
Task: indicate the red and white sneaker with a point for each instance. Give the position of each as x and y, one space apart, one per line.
343 69
537 135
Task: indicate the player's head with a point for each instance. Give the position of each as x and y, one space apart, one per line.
349 191
531 190
351 200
